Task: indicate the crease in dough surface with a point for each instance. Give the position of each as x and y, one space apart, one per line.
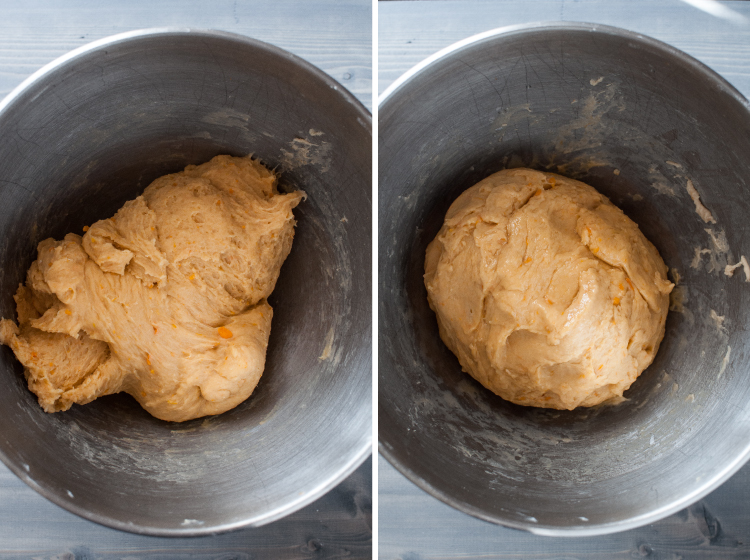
546 292
166 300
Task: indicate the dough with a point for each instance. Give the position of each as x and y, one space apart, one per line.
548 294
166 300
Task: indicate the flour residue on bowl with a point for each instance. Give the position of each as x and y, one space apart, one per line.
730 268
725 361
717 252
588 129
329 345
306 152
659 182
719 321
700 209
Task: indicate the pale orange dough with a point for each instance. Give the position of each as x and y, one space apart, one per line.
546 292
166 300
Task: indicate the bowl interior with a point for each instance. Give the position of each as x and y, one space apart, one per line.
635 119
92 133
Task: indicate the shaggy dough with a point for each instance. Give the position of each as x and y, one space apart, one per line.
548 294
166 300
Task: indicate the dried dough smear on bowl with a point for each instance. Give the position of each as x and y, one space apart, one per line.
546 292
91 132
664 139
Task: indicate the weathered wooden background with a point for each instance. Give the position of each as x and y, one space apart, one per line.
416 526
336 36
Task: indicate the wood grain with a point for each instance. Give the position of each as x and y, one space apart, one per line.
409 32
338 525
336 36
415 526
412 524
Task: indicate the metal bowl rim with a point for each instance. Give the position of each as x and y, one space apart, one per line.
365 118
507 33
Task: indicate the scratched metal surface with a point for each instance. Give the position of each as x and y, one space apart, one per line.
335 36
415 525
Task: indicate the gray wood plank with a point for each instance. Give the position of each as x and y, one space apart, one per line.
409 32
412 524
336 36
337 525
415 526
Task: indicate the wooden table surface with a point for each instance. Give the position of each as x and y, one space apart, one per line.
336 36
412 524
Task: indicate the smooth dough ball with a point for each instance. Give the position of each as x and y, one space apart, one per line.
546 292
166 300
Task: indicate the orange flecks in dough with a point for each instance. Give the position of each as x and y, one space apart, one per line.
616 301
225 332
527 261
86 270
630 284
192 277
538 192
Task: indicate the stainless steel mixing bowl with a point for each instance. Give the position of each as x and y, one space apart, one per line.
92 130
636 119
